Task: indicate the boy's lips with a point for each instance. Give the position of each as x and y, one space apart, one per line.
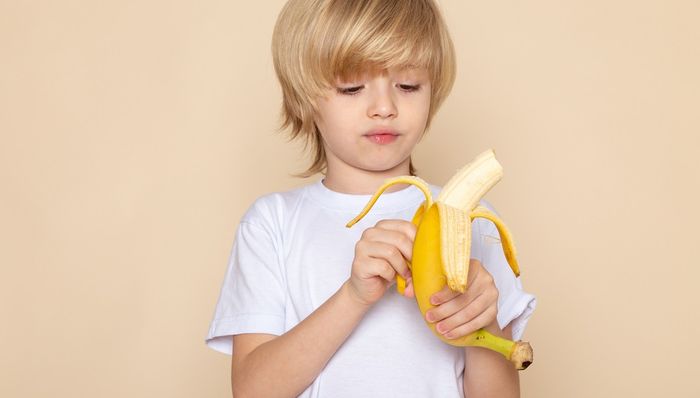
382 136
382 132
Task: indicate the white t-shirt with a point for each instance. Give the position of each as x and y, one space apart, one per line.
292 252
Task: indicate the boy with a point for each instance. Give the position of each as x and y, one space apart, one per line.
307 303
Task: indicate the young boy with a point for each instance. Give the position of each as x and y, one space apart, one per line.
308 307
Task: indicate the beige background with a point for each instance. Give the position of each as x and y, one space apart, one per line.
135 134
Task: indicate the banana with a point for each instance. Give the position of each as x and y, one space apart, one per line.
443 241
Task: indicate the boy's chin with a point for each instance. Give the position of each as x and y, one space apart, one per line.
388 168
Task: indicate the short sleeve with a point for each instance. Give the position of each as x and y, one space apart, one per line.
514 304
252 298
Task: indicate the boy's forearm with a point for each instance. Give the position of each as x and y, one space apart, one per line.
287 365
488 374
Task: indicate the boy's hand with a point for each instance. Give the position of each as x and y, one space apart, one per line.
460 314
380 254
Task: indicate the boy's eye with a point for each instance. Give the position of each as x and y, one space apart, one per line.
354 90
409 87
349 90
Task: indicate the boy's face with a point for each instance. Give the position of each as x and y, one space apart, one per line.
373 122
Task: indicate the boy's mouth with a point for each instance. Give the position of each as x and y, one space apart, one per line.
382 136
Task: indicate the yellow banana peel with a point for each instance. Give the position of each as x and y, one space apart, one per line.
441 250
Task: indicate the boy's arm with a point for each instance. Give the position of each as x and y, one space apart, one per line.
267 366
487 373
286 365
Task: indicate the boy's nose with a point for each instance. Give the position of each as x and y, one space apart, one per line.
382 105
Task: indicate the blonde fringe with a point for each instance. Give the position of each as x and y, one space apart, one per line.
317 41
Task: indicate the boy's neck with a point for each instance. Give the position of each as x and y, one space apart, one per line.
362 182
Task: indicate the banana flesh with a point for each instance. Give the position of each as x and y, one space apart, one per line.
441 250
455 242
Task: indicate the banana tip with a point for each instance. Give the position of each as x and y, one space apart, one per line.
522 355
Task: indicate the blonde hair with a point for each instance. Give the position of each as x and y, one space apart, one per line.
314 42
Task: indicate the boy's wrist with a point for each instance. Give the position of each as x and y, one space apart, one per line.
494 329
347 292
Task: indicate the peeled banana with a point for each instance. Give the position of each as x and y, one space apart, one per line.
443 240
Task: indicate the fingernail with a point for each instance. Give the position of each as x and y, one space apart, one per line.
429 317
448 335
433 301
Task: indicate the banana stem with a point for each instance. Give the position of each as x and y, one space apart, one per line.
485 339
517 352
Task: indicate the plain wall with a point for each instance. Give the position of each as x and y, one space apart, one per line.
134 134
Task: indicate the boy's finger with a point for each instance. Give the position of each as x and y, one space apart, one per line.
403 226
446 309
462 315
383 269
392 237
444 295
408 292
482 320
390 254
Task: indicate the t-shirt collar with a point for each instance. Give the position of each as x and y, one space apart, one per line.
388 202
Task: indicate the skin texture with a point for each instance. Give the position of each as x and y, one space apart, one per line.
389 100
283 366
